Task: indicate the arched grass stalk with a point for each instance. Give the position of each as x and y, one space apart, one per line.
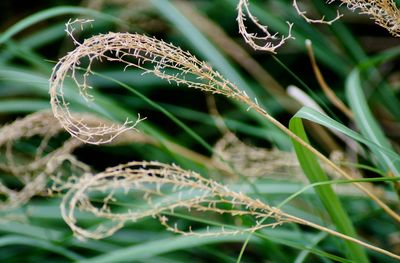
165 189
164 61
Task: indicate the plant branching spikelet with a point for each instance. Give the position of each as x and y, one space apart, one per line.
165 188
134 50
34 172
322 20
267 42
385 13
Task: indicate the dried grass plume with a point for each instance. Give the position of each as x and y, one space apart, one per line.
166 190
133 50
385 13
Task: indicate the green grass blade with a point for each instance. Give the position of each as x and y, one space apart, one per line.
304 254
187 129
159 247
53 12
330 200
386 94
367 124
22 105
322 119
343 181
266 234
45 245
203 118
33 231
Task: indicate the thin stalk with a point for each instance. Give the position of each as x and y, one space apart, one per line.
325 87
320 156
307 187
345 237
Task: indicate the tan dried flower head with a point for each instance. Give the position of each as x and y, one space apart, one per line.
165 189
385 13
42 124
33 172
165 61
254 161
134 50
30 172
275 164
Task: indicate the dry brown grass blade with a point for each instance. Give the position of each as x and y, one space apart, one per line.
325 87
164 190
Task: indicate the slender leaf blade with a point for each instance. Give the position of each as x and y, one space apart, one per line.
367 124
328 197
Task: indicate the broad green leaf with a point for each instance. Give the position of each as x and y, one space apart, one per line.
367 124
328 197
320 118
